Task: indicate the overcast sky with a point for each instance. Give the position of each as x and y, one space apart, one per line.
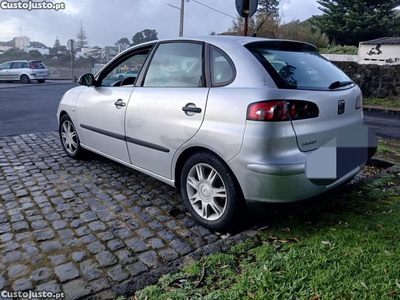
106 21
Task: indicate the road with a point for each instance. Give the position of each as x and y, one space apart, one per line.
32 108
384 125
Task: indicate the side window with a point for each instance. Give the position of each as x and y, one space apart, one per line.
25 66
176 65
17 65
222 68
126 72
5 66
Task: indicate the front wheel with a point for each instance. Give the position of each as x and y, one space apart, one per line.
41 80
69 138
209 191
25 79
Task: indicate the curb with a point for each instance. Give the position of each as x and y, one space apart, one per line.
386 110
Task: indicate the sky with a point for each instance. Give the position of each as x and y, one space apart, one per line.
106 21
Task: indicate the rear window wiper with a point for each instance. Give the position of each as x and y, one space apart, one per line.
338 84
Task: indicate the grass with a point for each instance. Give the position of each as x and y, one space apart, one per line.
382 102
388 150
350 250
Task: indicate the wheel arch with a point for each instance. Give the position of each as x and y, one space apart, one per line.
184 156
63 113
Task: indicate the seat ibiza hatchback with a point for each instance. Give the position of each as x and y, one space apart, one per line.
227 120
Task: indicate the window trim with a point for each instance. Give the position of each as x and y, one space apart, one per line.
205 69
211 71
9 68
118 59
14 63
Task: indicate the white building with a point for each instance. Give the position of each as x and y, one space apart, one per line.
92 51
22 42
4 49
380 51
42 51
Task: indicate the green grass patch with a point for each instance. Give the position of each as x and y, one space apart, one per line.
350 250
382 102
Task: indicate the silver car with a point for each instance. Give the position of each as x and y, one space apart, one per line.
227 120
24 71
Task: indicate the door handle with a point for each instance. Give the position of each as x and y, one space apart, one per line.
190 109
119 103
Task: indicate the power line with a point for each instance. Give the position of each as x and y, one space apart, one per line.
209 7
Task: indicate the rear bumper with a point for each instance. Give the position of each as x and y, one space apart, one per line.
272 168
38 76
287 184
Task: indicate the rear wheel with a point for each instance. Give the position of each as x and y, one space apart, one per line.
209 191
69 138
25 79
41 80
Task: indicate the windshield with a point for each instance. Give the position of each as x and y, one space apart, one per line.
297 67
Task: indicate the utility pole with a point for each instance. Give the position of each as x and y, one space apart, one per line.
182 17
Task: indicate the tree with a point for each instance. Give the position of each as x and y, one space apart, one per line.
303 31
271 7
349 22
35 54
57 44
123 43
82 40
144 36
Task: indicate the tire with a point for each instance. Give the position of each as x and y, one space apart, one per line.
25 79
69 139
210 211
41 80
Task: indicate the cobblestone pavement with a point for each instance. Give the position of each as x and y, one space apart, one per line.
83 227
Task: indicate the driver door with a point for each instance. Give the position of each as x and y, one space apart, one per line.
101 109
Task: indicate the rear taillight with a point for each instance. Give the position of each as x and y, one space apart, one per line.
302 109
279 110
359 102
275 110
31 65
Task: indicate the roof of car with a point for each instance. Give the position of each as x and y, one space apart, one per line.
219 39
22 60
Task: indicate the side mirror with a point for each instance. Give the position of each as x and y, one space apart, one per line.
87 79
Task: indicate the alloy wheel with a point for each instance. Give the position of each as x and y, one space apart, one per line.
206 192
25 79
69 137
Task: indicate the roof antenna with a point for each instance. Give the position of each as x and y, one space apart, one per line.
258 28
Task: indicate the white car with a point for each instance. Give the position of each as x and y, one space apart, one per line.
24 71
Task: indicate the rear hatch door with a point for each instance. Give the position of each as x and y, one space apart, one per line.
337 112
302 74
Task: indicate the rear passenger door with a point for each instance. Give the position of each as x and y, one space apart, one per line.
167 107
17 69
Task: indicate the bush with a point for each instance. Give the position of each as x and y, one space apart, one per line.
350 50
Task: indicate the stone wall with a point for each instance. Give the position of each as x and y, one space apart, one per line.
374 80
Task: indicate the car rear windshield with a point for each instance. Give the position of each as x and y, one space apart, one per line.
38 65
297 66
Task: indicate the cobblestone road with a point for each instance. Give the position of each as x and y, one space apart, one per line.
83 227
